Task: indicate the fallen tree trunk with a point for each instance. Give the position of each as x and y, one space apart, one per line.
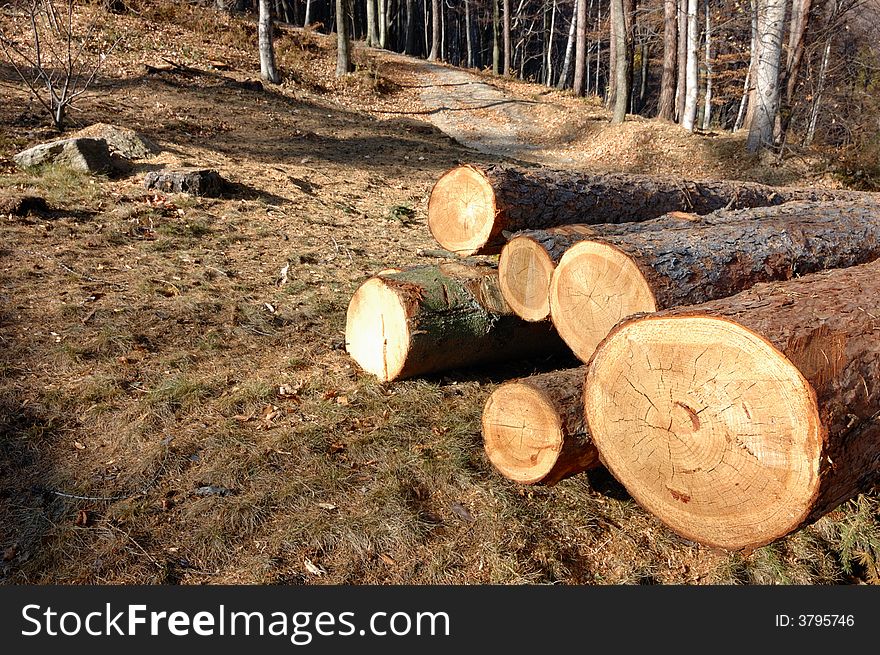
600 281
434 318
470 207
740 420
534 429
529 258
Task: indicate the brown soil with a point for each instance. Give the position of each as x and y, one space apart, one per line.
172 412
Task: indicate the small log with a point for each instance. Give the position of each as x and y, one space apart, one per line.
470 206
534 429
740 420
435 318
529 258
602 280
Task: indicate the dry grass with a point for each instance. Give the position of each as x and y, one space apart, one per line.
144 433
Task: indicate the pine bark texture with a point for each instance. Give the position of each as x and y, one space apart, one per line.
455 317
562 391
826 325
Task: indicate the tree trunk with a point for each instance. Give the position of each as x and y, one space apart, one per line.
820 88
580 52
506 29
435 318
382 18
691 91
548 62
707 104
601 281
268 70
739 421
529 259
411 13
770 24
496 38
470 207
534 429
569 49
622 64
468 39
372 28
800 17
343 42
307 19
753 64
435 30
681 79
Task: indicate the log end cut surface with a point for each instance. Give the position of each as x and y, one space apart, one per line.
461 210
708 426
522 434
376 330
524 273
593 287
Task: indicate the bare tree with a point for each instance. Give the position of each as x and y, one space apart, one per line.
742 117
667 82
771 16
268 70
343 41
622 61
689 116
681 79
506 30
580 51
435 30
60 63
496 38
800 18
569 50
707 104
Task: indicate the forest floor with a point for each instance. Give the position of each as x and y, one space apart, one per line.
173 409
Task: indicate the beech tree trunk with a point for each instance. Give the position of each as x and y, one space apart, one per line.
603 280
622 62
470 207
770 23
534 430
435 318
496 38
435 30
753 65
343 41
268 70
738 421
372 38
569 49
468 34
411 13
580 52
800 18
707 104
691 91
681 79
506 30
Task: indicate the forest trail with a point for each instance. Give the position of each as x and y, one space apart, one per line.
485 116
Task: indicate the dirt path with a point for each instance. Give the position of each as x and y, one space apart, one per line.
484 116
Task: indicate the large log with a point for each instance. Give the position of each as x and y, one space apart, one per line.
600 281
740 420
534 429
428 319
470 207
529 258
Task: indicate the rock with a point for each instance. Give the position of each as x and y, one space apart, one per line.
82 154
194 181
122 140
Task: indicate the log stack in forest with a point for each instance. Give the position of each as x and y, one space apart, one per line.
734 402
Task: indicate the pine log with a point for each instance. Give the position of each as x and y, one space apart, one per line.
741 420
600 281
434 318
470 207
529 258
534 429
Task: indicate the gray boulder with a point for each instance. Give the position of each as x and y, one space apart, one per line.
81 154
194 181
122 140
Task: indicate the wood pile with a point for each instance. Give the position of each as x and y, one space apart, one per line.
729 334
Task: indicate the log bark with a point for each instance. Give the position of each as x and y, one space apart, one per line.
470 207
534 429
600 281
529 258
435 318
739 421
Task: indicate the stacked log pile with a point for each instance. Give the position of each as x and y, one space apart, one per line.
729 334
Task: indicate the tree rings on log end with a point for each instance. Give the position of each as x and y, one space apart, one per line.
708 426
461 210
524 273
593 287
376 330
522 433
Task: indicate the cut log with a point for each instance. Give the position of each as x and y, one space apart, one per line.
435 318
600 281
470 207
534 429
740 420
529 258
